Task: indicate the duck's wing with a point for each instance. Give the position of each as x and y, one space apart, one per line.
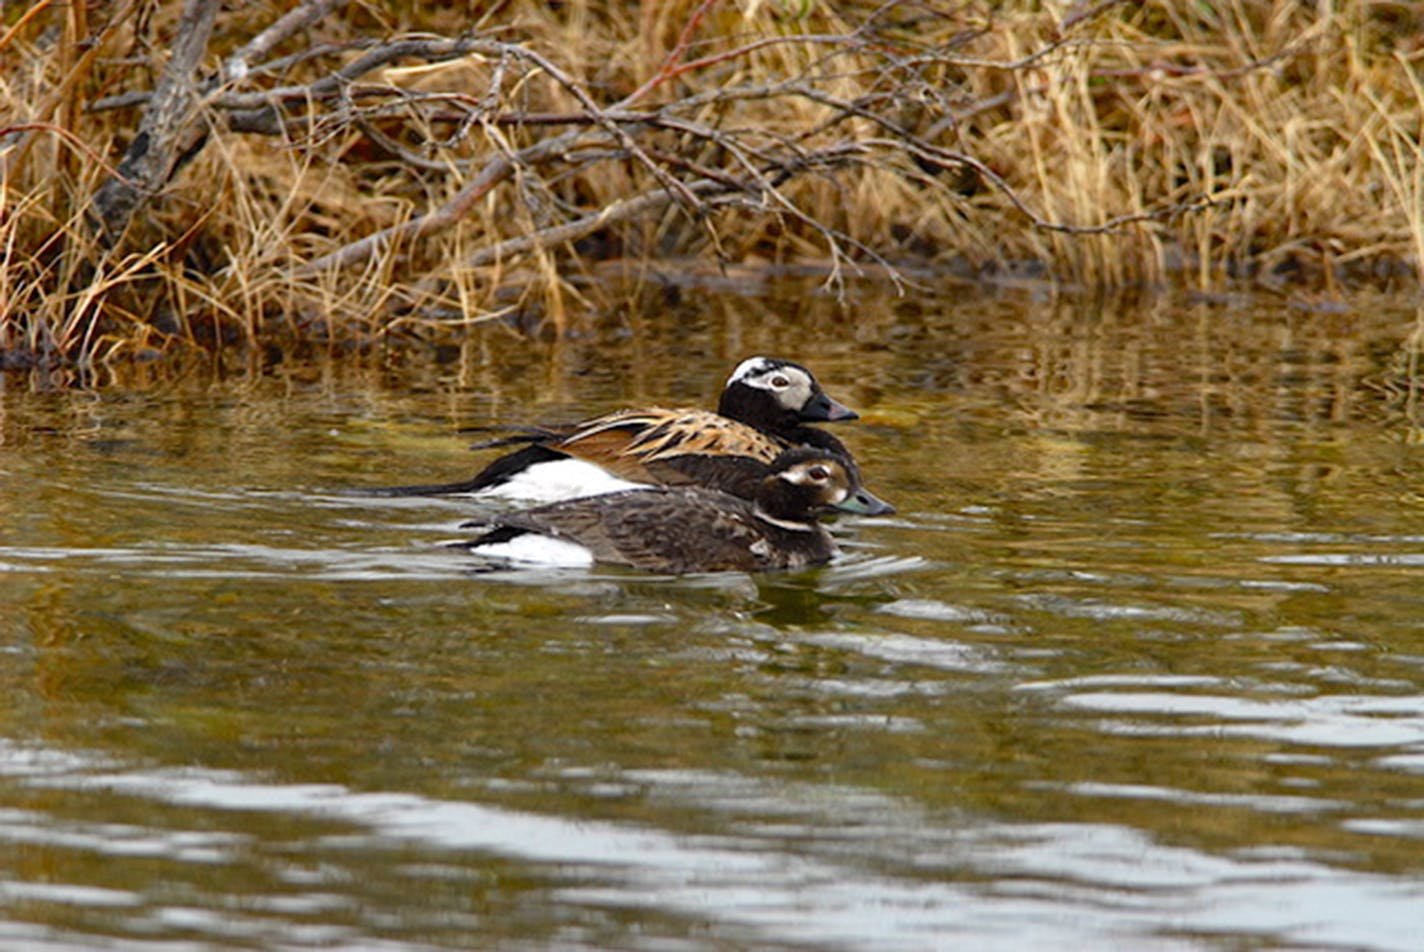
692 529
677 447
675 530
673 447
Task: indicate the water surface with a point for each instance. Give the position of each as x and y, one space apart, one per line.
1139 663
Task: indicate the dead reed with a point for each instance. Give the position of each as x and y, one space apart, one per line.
176 174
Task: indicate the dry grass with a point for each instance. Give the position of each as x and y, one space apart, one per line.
1108 145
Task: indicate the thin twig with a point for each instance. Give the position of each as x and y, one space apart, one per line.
236 66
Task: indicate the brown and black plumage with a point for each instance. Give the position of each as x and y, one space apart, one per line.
763 410
693 529
669 447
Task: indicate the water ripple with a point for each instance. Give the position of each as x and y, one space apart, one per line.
1347 720
1268 803
1039 876
907 649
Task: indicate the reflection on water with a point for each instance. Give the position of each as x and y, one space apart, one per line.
1139 663
866 864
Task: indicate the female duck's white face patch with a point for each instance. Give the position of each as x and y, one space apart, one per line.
789 385
831 478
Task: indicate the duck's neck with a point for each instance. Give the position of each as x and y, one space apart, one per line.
785 505
751 408
799 434
790 525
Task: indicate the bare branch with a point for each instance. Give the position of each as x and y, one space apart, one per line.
169 130
237 65
621 210
496 170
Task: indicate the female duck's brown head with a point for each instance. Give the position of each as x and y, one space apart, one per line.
806 482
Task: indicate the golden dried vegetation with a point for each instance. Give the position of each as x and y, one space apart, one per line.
198 174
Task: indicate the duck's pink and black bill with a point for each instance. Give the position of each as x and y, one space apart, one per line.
821 408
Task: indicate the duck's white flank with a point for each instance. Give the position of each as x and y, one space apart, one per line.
557 480
536 549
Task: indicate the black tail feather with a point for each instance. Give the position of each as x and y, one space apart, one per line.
515 435
496 534
419 489
500 471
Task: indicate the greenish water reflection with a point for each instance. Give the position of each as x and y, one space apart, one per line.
1140 661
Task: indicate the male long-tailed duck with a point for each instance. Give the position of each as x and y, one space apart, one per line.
763 411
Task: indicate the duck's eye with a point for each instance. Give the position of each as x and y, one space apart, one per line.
780 382
820 473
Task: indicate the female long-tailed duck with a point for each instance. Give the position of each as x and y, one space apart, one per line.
678 530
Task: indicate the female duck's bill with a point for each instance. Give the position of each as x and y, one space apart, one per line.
692 529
